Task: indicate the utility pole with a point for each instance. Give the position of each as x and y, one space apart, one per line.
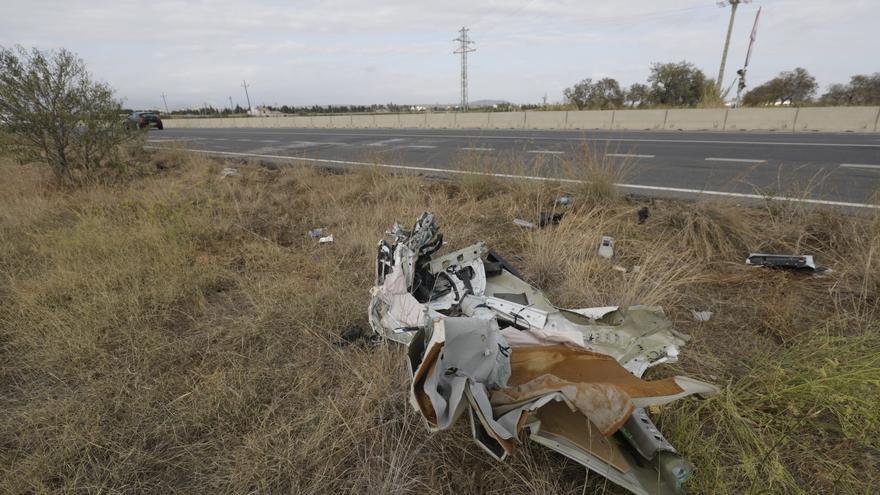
244 85
166 102
231 106
545 99
733 5
464 48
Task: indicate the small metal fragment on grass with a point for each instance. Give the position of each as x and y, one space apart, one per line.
523 223
326 240
563 200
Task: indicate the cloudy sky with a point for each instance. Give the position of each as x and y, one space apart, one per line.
377 51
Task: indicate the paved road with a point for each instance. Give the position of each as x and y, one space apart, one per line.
821 167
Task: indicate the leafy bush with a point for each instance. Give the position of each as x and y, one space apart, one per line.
52 111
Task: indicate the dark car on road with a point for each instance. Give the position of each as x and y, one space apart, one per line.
143 120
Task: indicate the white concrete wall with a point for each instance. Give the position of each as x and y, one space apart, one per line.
507 120
340 121
699 119
476 120
387 121
437 120
639 120
835 119
362 121
826 119
412 120
545 120
760 119
590 119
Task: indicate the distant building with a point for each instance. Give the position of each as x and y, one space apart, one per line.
262 111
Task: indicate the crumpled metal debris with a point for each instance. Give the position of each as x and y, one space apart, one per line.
482 341
791 262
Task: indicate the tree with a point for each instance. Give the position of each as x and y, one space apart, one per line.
638 95
861 90
604 94
793 87
676 84
54 112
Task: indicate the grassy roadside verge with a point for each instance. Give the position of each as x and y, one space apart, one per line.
179 333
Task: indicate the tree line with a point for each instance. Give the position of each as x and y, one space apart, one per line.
681 84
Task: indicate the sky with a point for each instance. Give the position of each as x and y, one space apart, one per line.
380 51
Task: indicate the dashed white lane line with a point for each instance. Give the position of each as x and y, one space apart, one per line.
386 142
627 155
420 146
547 179
546 152
860 165
269 141
478 149
244 140
735 160
220 139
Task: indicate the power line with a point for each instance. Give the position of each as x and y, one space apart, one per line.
165 101
464 48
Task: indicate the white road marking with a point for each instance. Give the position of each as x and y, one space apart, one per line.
546 152
736 160
527 137
859 165
378 143
220 139
269 141
420 146
625 155
478 149
547 179
243 140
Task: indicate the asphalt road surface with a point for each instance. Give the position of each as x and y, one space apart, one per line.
819 168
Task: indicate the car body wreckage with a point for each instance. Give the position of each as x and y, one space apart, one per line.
483 342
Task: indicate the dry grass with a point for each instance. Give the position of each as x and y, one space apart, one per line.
179 334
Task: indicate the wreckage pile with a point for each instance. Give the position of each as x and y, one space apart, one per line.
483 342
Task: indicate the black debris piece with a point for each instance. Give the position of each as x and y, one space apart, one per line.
644 213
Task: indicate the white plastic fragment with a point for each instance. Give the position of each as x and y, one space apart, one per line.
230 172
702 315
523 223
326 240
606 247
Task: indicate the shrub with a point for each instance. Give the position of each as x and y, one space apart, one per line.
52 111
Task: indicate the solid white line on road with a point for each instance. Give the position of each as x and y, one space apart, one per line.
859 165
736 160
478 149
625 155
420 146
546 152
547 179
